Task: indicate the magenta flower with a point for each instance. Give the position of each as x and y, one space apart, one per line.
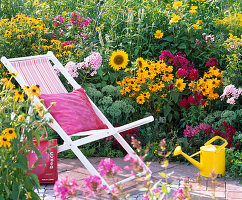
136 165
92 184
193 74
213 62
108 167
166 56
64 188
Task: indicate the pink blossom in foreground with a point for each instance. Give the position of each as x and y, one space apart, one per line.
108 167
92 185
136 165
180 195
65 188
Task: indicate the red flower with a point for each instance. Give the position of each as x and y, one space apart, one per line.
193 74
184 103
166 56
212 62
191 100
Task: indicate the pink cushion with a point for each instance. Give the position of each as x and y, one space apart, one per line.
73 111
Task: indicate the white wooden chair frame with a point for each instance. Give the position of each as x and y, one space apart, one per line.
93 135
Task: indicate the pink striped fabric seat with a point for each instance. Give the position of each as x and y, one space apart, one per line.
40 72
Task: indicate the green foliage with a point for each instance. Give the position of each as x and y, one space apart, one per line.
231 117
108 99
233 163
16 136
193 116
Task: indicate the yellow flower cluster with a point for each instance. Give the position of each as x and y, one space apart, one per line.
7 136
21 26
231 21
149 77
208 83
56 47
233 42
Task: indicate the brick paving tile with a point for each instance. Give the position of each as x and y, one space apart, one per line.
232 185
220 186
234 195
226 188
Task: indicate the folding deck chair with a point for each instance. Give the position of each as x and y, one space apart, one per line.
35 70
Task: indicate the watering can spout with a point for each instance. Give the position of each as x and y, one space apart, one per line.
178 151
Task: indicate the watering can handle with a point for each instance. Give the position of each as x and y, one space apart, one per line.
215 138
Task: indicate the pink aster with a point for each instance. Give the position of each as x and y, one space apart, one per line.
108 167
91 185
65 188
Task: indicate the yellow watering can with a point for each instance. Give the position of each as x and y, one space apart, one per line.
211 157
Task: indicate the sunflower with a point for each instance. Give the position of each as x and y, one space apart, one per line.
136 87
158 34
18 96
140 99
118 60
140 62
180 85
4 141
167 77
10 133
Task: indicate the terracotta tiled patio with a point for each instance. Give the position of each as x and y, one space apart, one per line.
226 188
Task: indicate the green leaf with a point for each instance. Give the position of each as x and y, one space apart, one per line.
169 117
174 96
20 166
168 38
105 77
103 83
136 51
2 198
36 180
167 110
182 46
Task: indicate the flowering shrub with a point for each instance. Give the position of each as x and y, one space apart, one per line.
231 93
16 136
207 131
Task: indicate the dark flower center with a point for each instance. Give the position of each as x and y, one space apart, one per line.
118 60
10 131
20 92
34 90
4 139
